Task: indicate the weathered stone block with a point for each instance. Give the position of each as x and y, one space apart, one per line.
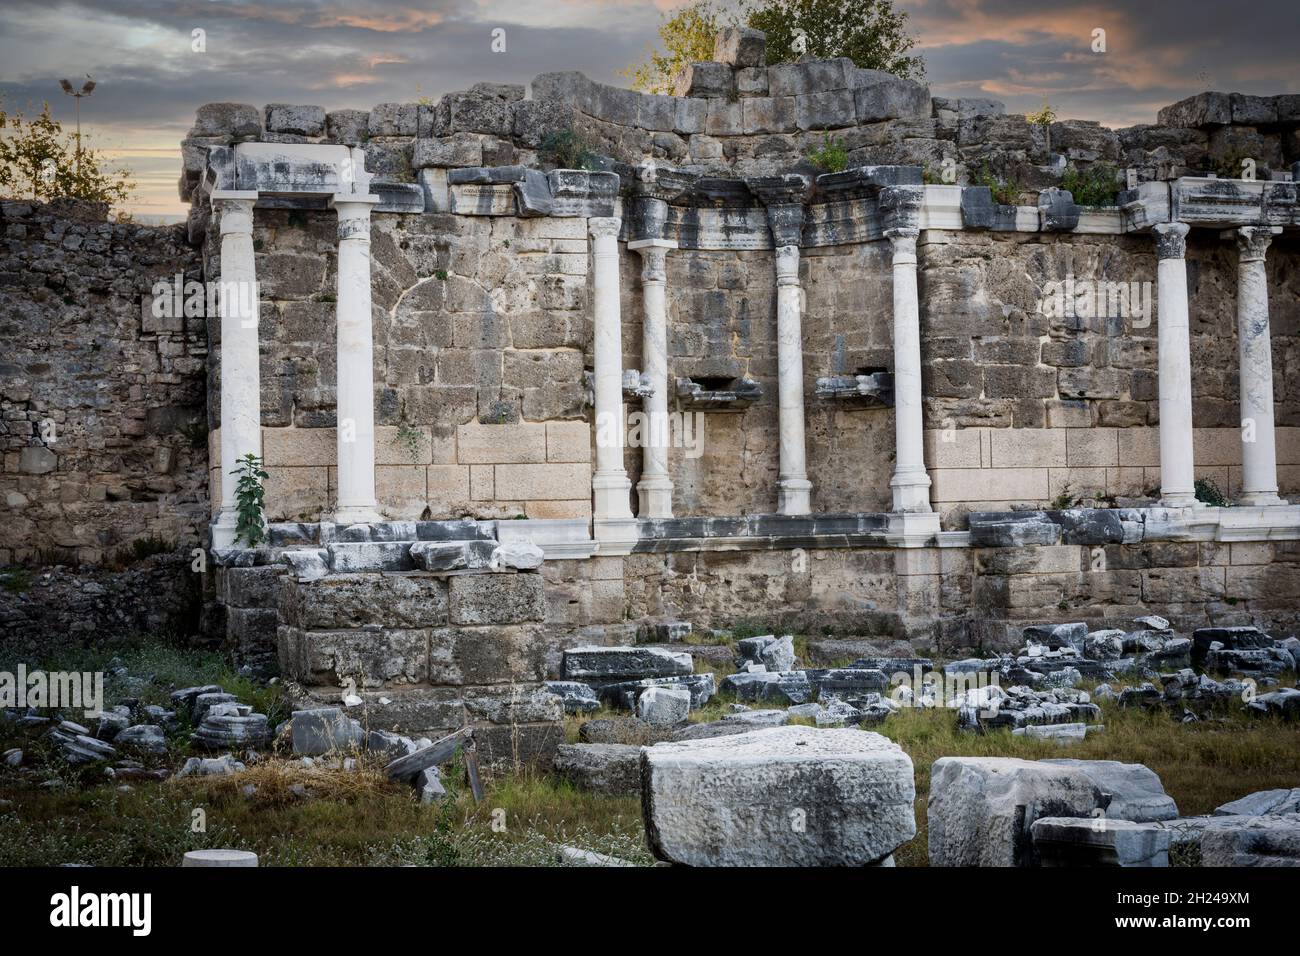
613 663
357 600
730 801
612 769
1063 841
496 598
300 120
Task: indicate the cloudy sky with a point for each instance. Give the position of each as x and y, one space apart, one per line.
355 53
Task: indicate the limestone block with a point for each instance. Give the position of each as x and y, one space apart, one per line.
1253 841
781 796
613 769
394 119
491 444
589 662
513 704
372 658
1063 841
348 127
1027 447
705 79
452 555
1262 803
496 598
663 706
234 120
568 442
490 654
320 730
358 600
300 120
981 809
1136 793
740 47
542 482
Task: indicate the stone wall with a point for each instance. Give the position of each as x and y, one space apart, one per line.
101 403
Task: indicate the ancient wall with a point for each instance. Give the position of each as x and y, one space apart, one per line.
101 402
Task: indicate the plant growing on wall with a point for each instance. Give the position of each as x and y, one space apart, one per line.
568 149
1098 185
250 507
1005 191
832 156
1044 118
1207 490
410 438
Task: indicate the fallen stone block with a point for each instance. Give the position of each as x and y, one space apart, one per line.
1136 793
79 749
518 553
981 809
778 655
1231 638
1262 803
576 856
792 686
322 730
1272 840
1057 636
840 681
440 751
1284 703
144 738
592 662
452 555
1066 841
1061 733
783 796
429 783
739 723
575 696
624 694
663 706
232 732
613 769
210 766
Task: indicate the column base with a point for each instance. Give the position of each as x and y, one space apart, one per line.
911 491
615 536
912 529
223 529
611 497
1180 499
655 495
794 496
357 514
1262 499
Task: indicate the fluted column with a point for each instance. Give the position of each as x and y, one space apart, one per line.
241 411
612 523
794 490
1177 480
910 482
1254 348
355 350
655 489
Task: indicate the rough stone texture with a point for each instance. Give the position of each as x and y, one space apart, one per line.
783 796
1253 841
496 598
1136 793
981 809
613 769
1262 803
612 663
1064 841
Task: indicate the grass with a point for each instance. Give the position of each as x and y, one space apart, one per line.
360 818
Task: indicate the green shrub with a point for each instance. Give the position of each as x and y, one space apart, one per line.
250 493
1207 490
1098 185
568 149
1005 192
832 157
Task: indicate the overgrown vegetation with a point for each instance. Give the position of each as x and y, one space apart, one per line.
832 156
869 32
1005 191
410 438
568 149
1098 185
1207 490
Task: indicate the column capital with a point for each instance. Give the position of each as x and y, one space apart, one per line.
1171 239
654 258
236 209
903 241
1253 242
354 214
604 227
787 265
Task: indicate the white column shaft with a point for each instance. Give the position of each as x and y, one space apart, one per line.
1254 347
910 482
610 485
241 411
655 489
355 351
1177 481
794 490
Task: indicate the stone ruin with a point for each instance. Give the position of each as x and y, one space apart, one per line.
510 407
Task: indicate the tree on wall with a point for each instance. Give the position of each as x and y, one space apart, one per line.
869 32
40 160
687 37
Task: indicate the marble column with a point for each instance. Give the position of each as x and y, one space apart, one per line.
655 489
612 523
1254 349
1177 482
241 412
355 351
910 482
794 490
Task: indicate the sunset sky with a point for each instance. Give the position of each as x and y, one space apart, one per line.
355 53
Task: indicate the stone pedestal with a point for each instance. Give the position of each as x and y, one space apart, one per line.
910 483
794 490
1177 488
241 413
356 388
655 487
1258 440
612 523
